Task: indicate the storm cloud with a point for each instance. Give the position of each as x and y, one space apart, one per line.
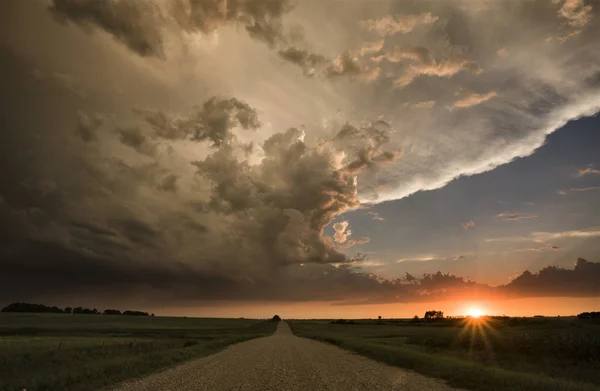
208 149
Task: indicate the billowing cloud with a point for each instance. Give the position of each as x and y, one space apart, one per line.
515 216
576 12
144 27
211 202
341 231
553 281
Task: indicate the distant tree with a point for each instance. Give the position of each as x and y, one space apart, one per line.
111 312
28 307
78 310
433 315
589 315
342 321
379 317
275 318
416 318
135 313
85 311
68 310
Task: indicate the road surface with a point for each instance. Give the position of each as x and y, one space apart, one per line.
284 362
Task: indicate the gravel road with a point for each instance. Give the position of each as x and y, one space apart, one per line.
284 362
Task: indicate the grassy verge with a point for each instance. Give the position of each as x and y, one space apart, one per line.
457 372
87 352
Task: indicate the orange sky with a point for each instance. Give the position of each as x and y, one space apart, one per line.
516 307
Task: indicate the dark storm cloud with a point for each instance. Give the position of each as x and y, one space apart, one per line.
62 80
212 121
169 183
143 25
251 223
136 24
136 139
87 126
232 214
303 58
136 231
581 281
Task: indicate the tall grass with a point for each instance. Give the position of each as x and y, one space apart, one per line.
87 352
506 359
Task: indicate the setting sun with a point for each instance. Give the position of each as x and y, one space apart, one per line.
474 312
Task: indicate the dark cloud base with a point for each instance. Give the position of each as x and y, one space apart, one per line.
44 271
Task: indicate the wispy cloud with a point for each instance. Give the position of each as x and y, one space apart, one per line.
397 24
468 225
510 216
538 248
542 237
503 52
428 104
587 171
474 99
418 258
577 190
548 236
376 216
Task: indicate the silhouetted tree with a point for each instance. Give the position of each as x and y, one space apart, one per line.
433 315
28 307
379 317
111 312
589 315
135 313
275 318
68 310
85 311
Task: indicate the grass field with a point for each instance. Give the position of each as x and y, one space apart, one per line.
43 352
493 355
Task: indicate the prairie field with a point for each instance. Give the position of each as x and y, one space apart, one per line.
496 354
53 352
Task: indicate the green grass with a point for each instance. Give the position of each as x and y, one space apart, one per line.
549 354
40 352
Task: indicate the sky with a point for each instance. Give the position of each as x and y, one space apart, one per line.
239 158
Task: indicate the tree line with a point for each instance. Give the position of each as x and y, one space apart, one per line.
40 308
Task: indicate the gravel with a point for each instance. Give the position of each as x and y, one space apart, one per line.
284 362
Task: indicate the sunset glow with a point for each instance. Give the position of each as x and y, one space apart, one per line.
474 312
